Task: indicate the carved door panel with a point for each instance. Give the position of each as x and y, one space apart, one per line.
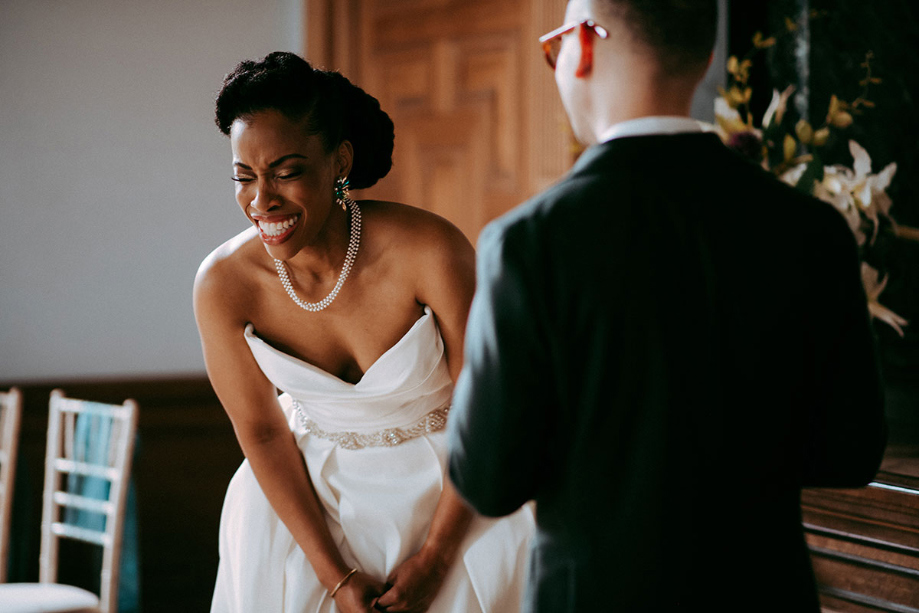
479 125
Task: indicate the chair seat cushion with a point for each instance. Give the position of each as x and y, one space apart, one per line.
46 598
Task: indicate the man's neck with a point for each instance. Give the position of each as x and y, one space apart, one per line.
626 99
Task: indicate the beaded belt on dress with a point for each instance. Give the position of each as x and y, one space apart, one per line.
390 437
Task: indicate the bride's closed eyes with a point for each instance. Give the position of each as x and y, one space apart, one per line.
286 175
290 174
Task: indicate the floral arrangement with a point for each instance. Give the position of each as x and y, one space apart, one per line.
793 154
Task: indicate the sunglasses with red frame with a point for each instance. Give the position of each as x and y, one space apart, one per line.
552 42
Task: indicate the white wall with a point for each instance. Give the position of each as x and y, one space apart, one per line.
703 105
114 181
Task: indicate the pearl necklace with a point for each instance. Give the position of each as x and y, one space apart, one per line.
353 244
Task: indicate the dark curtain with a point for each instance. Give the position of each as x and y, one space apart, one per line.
838 35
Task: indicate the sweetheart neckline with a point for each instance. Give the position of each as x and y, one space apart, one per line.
250 333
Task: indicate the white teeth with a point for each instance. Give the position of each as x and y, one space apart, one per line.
275 228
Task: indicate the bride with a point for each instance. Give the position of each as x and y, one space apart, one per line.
356 311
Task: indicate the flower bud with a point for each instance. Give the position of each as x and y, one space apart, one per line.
821 136
804 131
842 119
789 146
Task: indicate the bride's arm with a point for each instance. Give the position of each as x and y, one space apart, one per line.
250 401
445 262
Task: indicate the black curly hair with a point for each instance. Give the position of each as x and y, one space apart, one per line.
336 109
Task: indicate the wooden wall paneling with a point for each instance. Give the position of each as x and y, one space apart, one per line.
549 135
418 21
441 167
479 127
345 40
487 79
317 42
333 37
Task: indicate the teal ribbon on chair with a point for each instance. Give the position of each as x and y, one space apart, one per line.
91 445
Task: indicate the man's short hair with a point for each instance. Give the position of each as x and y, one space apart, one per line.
680 33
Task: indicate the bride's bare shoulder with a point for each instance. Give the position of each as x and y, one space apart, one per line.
229 265
411 228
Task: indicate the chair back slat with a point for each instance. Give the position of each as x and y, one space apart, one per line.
84 503
88 462
85 469
10 416
81 534
85 407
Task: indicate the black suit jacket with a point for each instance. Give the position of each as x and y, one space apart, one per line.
663 349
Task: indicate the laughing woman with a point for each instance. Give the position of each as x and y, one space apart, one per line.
356 311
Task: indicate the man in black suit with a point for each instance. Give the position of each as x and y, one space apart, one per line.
664 347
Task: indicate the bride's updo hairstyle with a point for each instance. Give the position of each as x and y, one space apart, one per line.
335 109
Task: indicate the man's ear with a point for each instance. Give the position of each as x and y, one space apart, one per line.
586 62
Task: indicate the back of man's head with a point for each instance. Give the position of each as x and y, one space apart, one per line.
679 34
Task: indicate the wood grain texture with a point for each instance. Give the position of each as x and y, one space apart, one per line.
864 547
479 124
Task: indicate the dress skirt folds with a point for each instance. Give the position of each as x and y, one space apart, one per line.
376 454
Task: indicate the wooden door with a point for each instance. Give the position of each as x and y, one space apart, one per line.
479 124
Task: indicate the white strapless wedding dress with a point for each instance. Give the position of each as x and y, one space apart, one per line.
376 453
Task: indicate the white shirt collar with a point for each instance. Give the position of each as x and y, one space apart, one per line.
646 126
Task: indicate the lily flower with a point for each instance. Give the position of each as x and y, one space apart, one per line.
776 109
855 190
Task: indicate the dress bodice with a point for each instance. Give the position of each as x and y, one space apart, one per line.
405 383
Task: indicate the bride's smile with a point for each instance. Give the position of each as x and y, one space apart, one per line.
275 229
